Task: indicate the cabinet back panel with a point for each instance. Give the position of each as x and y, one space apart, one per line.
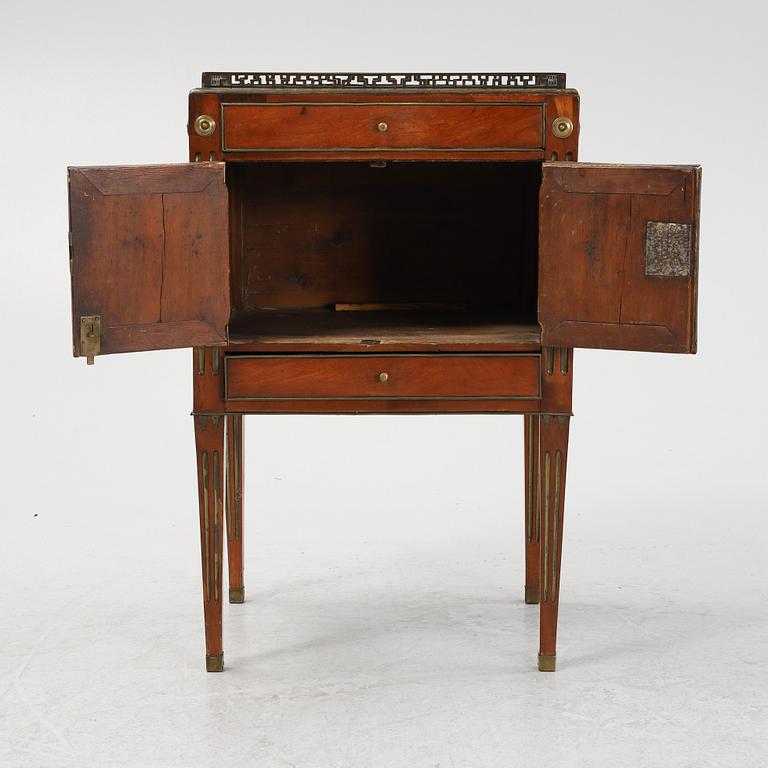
309 235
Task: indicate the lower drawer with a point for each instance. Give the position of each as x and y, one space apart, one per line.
382 377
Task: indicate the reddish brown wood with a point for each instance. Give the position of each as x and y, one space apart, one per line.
532 518
425 406
418 345
550 487
382 377
234 508
593 287
471 95
248 274
303 126
150 255
556 379
327 330
558 105
554 103
204 148
209 440
208 379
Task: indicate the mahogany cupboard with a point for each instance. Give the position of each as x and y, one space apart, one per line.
344 243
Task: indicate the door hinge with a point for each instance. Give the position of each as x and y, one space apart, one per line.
90 337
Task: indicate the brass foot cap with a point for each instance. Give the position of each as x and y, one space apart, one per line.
237 594
532 595
547 663
214 663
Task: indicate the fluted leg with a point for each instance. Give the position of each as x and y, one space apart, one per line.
235 508
553 453
209 440
532 532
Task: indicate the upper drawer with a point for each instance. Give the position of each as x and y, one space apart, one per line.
382 377
386 127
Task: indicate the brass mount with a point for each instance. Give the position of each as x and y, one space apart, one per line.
204 125
562 127
90 337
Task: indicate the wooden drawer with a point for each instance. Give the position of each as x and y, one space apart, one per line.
382 127
382 377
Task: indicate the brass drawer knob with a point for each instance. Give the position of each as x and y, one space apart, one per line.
205 125
383 127
562 127
383 376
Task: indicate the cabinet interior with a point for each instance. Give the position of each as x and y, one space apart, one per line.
351 251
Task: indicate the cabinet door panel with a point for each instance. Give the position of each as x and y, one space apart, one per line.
150 255
618 256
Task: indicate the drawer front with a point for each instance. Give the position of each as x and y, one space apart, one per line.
382 127
382 377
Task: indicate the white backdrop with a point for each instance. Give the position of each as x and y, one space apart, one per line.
99 507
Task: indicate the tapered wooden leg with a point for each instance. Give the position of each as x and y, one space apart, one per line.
209 440
553 452
235 508
532 519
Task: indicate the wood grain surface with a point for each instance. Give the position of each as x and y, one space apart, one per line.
383 126
150 254
381 377
593 286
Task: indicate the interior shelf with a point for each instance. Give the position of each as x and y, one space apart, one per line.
435 328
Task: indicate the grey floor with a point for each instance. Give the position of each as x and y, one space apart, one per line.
384 622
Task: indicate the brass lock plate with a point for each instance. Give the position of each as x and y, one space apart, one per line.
90 336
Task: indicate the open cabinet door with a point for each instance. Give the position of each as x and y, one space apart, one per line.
618 256
149 257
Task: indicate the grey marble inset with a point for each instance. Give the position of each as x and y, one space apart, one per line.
667 249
